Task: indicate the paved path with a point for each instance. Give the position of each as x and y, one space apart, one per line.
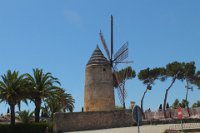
143 129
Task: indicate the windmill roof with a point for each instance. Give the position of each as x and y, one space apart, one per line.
97 57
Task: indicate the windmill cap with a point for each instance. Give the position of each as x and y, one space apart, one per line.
97 58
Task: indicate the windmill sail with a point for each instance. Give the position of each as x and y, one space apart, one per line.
105 45
119 57
122 53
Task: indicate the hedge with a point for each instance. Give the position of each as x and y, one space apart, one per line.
26 128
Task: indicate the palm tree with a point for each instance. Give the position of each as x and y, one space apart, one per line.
12 91
59 101
148 76
68 102
41 86
120 79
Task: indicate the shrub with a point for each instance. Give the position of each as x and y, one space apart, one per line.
26 128
25 116
160 107
197 104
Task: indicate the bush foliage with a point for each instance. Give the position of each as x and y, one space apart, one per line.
26 128
25 116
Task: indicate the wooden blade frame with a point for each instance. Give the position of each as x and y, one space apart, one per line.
121 89
105 45
122 53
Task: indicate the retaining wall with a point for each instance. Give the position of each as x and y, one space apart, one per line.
108 119
91 120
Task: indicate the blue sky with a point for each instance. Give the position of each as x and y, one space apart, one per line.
60 36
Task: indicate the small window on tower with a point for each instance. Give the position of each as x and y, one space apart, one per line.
104 69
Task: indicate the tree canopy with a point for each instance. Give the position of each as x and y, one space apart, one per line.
12 88
148 77
119 80
122 75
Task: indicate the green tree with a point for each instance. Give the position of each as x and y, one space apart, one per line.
148 76
196 104
174 71
12 88
120 78
45 111
167 106
160 107
8 110
59 101
196 80
41 86
189 73
189 76
184 104
176 104
25 116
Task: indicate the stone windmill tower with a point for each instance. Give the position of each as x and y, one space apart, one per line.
99 86
99 93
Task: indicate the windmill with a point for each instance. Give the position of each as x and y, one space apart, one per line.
115 59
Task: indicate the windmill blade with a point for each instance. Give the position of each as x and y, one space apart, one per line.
125 62
105 45
122 94
119 96
122 53
120 89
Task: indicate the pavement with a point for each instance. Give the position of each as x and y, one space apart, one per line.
143 129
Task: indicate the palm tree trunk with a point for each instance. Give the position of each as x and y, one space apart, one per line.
142 103
37 109
19 106
186 98
12 110
165 99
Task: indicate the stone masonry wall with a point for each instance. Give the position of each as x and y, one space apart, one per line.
91 120
108 119
99 91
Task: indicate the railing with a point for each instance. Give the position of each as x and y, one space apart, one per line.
184 126
172 113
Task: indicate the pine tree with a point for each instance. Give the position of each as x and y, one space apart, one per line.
160 107
167 106
8 110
